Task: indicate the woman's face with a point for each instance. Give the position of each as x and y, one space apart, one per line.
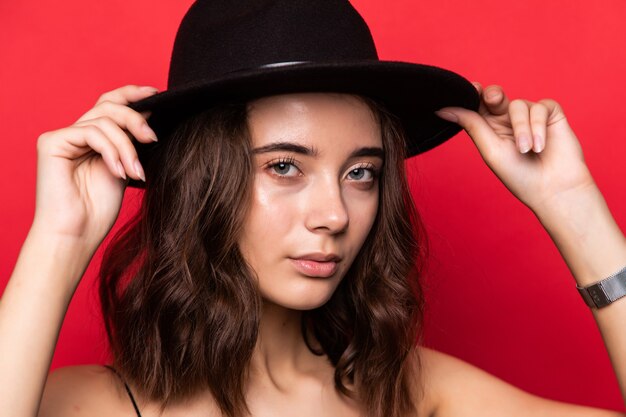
316 157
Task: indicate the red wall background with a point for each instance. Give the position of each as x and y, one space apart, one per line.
499 295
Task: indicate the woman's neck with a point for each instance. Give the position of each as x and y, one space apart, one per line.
281 357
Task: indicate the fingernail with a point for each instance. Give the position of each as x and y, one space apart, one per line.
149 89
524 143
139 170
120 170
493 95
149 132
451 117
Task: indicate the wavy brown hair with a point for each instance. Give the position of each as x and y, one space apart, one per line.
182 308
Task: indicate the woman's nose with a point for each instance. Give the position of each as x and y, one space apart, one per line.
326 209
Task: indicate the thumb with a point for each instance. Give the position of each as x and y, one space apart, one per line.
474 124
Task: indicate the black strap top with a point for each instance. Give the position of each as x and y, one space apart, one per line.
127 390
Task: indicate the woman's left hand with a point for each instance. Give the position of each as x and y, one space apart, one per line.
550 166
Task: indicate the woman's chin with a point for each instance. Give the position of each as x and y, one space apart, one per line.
299 300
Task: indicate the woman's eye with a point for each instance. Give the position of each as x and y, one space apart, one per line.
284 169
361 174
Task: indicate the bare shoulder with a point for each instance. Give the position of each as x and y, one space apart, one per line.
84 390
453 387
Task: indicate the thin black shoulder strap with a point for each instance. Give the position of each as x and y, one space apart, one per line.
127 390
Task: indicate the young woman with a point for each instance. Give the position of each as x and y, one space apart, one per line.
272 269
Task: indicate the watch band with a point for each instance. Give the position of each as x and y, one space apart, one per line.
604 292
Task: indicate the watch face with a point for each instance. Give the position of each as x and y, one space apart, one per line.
597 294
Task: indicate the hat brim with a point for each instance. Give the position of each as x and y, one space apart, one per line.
410 91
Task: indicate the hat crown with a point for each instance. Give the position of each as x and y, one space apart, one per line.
217 37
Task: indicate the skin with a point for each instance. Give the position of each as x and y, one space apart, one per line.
67 230
286 221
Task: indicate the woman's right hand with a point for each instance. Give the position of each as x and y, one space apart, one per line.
82 169
79 195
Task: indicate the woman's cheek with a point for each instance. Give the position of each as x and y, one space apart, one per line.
273 203
362 205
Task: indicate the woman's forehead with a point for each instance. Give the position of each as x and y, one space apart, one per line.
310 116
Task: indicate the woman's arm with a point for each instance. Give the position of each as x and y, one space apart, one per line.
81 176
554 181
32 309
594 247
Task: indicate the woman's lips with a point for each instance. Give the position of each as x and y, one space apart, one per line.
315 268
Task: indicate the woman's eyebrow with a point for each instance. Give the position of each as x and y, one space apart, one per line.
369 151
309 151
285 146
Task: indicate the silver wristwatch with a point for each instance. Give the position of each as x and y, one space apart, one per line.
604 292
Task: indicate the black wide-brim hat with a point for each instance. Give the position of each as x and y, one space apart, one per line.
228 50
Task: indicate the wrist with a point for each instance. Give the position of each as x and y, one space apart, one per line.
585 233
571 203
52 261
65 244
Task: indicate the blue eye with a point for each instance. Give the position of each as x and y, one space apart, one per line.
361 174
282 168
